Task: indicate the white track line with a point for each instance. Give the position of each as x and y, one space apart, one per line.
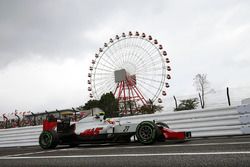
40 152
129 147
31 153
174 145
128 155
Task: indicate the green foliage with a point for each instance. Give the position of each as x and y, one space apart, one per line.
188 104
90 104
109 104
146 109
150 109
157 108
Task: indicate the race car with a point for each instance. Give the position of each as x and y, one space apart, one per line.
98 129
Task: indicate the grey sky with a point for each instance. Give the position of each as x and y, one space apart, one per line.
46 46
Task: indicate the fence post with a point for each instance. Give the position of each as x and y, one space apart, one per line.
59 112
6 121
228 97
176 105
74 112
34 120
18 120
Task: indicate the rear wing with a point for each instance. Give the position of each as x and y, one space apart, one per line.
49 125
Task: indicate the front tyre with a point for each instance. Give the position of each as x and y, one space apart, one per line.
48 139
146 132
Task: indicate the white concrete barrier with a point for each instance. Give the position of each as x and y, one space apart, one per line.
202 123
23 136
205 123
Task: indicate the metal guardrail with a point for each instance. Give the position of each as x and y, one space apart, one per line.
202 123
205 123
23 136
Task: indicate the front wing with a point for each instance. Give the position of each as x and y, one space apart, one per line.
173 135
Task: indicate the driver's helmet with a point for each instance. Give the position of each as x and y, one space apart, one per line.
101 113
101 116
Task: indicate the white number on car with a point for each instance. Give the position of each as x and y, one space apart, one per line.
126 129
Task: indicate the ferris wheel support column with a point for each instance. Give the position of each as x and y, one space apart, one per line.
131 99
134 100
139 95
124 98
116 89
120 98
120 91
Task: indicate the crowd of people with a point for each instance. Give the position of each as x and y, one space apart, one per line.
28 121
13 123
2 124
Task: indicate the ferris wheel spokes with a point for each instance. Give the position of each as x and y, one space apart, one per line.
143 62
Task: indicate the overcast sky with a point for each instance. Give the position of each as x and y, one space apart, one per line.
46 46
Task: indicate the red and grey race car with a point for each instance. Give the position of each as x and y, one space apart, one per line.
98 129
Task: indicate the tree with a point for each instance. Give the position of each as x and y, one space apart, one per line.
89 105
202 85
188 104
150 109
146 109
109 104
157 108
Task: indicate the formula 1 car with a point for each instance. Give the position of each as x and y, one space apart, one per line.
98 129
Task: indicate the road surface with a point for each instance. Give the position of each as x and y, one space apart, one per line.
223 151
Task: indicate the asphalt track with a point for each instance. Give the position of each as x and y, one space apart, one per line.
224 151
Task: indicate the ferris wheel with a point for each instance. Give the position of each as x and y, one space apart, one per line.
133 66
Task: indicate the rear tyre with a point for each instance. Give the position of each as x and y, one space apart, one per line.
48 139
146 132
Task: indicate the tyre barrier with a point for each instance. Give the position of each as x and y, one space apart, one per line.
225 121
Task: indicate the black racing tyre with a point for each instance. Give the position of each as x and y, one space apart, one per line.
48 139
147 132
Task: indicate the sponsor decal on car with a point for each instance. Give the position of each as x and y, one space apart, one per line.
91 132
